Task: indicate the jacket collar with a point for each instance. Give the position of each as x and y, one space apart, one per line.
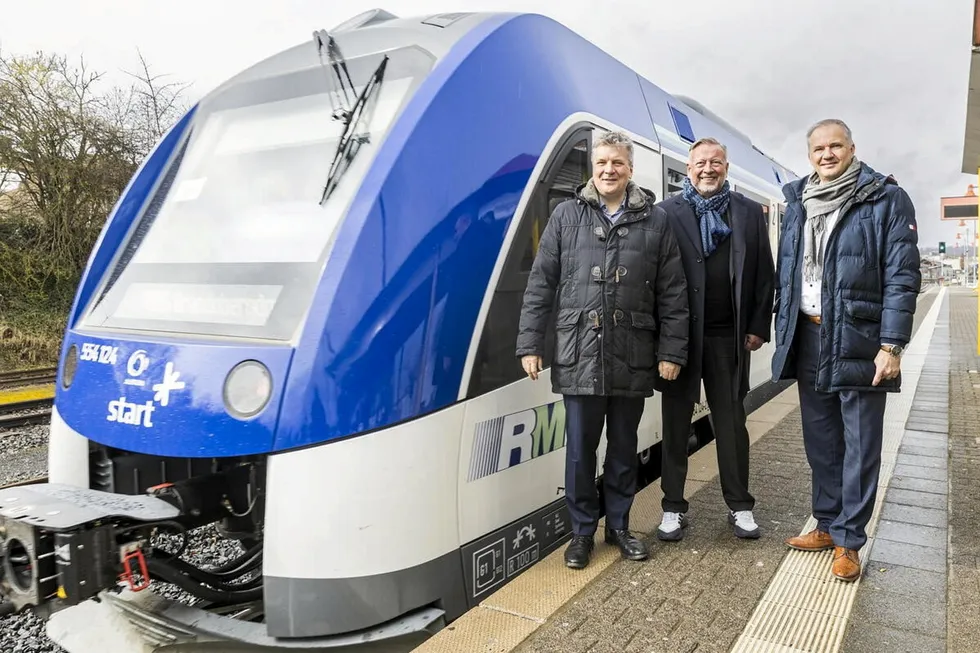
636 199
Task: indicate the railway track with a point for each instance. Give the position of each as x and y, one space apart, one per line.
28 413
37 376
29 410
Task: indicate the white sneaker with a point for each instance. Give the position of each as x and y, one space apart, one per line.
672 526
744 523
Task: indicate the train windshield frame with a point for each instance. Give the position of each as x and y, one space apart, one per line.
233 240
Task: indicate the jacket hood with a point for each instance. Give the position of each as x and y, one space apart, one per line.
793 191
636 197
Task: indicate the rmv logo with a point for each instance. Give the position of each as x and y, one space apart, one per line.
503 442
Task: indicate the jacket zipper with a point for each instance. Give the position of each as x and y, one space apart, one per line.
626 219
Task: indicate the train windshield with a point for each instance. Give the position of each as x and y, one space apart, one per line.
234 239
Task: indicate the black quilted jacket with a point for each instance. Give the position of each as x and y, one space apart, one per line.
617 295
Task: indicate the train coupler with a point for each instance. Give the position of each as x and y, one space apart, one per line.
61 545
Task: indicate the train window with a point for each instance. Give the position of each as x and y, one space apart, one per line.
496 364
572 173
234 240
674 173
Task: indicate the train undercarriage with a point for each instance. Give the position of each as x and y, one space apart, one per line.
82 558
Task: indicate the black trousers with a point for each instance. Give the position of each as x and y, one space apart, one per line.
719 369
842 436
584 418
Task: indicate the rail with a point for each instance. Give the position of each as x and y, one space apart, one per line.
35 414
36 376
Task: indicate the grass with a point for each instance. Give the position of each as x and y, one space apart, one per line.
30 338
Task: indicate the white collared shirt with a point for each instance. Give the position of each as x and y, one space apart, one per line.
810 292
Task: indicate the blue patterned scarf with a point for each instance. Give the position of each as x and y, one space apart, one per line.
709 211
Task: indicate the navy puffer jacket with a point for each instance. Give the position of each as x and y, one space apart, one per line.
871 281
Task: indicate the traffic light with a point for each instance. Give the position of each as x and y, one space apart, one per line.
942 247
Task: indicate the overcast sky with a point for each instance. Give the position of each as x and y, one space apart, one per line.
895 70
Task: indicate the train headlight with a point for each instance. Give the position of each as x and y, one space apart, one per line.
70 367
247 389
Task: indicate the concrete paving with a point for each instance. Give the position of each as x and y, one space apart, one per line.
963 598
901 601
699 593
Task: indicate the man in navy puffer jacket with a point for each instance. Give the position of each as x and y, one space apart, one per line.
848 277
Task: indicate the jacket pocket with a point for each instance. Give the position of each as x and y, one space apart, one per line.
642 343
860 329
567 336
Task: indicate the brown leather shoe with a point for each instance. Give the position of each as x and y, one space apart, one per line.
815 540
847 565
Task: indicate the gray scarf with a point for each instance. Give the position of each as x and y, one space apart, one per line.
819 201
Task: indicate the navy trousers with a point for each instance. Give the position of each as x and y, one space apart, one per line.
842 434
584 418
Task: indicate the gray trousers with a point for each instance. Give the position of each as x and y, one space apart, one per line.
842 434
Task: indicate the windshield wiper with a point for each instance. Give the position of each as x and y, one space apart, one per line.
339 65
350 142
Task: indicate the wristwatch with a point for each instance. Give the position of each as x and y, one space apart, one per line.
894 350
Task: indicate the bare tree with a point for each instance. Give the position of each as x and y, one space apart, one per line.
70 146
157 105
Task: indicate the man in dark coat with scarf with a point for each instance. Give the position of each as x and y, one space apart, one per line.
609 273
724 243
848 281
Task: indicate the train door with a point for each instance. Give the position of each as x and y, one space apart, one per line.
495 365
511 423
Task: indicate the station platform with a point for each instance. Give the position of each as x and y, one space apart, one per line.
27 393
711 592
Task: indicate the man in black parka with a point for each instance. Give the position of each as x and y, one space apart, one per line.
608 271
724 242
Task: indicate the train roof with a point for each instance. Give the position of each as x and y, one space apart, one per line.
678 120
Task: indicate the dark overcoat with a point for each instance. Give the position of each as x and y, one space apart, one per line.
753 278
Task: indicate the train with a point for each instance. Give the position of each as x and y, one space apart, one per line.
297 328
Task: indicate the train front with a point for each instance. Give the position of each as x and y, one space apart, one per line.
193 355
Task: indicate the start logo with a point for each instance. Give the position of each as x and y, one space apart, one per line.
127 412
131 413
504 442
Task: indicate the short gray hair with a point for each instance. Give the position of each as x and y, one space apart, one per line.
707 140
826 123
615 139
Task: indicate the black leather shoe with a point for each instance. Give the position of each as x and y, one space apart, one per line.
629 546
578 551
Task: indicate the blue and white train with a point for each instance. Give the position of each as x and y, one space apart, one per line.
299 325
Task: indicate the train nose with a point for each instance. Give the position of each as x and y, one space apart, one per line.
168 397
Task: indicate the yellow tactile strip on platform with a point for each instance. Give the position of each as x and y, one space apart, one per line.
805 608
481 630
26 394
